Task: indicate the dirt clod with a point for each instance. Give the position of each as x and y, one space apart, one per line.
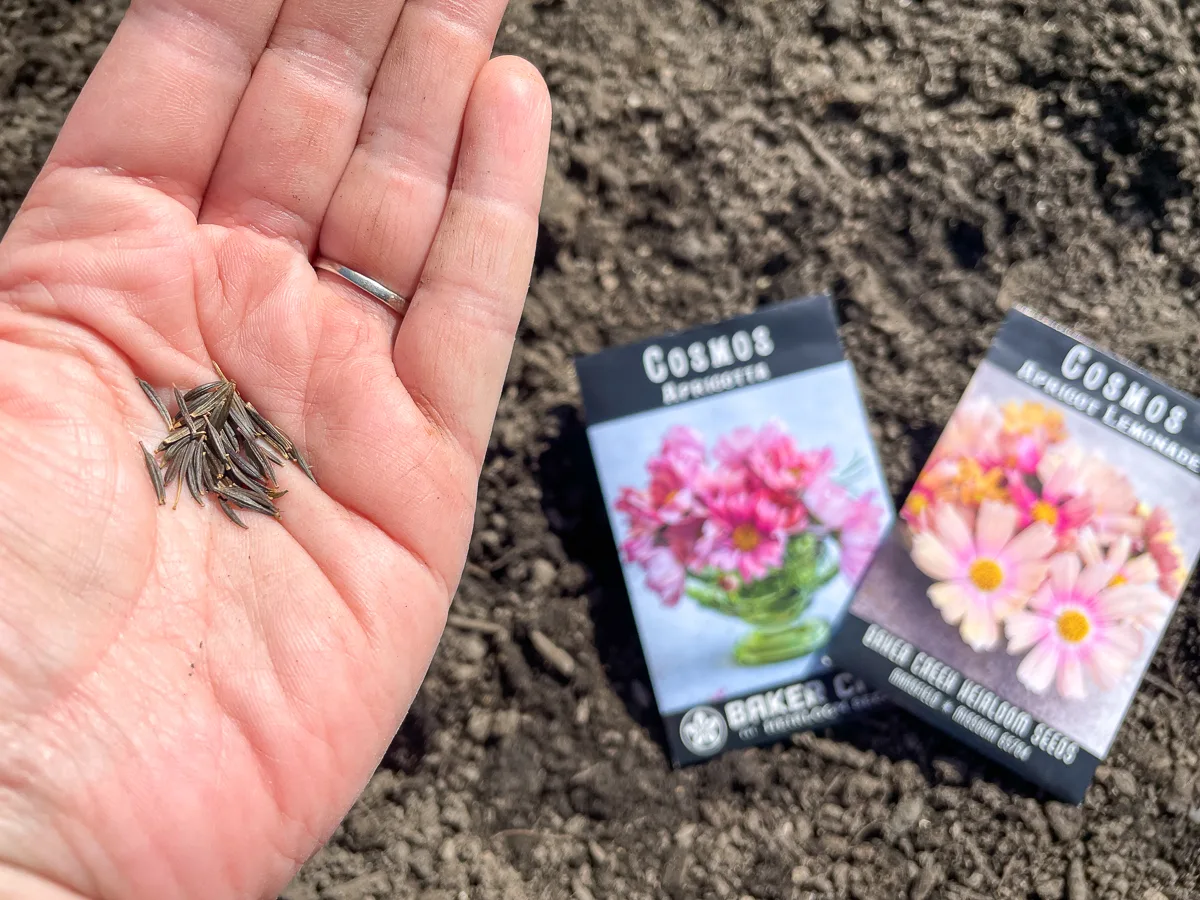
557 658
1065 821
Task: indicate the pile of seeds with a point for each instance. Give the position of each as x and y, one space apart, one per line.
219 444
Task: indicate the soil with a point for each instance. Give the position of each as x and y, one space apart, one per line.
929 162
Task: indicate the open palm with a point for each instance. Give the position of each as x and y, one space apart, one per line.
187 709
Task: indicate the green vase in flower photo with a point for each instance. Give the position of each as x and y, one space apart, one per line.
776 605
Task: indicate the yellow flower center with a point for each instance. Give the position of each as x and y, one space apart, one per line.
1073 626
1045 512
986 574
746 537
1118 580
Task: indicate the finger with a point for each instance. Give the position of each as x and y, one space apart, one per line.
161 99
455 341
387 207
300 118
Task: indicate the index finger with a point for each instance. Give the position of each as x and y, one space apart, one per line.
163 95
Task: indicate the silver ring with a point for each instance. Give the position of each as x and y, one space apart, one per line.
369 286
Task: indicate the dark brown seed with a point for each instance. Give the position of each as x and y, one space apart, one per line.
228 510
215 444
221 413
246 467
303 464
247 500
241 418
214 465
214 405
260 461
158 404
155 475
271 451
195 464
268 429
198 466
175 463
184 415
240 478
229 434
174 438
284 452
197 394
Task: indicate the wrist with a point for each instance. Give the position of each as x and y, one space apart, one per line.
17 884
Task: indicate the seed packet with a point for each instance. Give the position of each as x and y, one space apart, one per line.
746 497
1036 562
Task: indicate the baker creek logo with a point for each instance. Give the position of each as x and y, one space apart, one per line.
703 730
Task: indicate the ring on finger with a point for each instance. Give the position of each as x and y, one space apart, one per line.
367 285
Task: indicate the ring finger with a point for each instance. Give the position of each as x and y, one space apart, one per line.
387 208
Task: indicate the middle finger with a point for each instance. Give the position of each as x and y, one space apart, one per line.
299 118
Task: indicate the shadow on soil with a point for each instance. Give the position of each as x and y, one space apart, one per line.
574 507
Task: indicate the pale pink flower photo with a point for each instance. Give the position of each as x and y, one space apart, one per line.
856 521
1136 571
1113 497
974 432
781 466
1003 494
1159 535
983 575
1077 629
1127 569
1064 503
665 575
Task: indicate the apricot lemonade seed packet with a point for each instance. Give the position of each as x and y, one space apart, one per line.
1038 559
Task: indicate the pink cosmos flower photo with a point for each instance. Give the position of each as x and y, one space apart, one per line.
745 533
751 529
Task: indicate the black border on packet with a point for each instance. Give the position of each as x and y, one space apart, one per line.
1033 350
614 384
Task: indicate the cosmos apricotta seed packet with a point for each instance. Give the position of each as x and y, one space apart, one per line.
1036 563
746 498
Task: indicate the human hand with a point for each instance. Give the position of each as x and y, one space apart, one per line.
187 709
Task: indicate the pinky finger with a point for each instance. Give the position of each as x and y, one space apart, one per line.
456 339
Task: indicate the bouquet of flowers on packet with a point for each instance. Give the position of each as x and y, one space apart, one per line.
1042 547
745 497
1038 558
752 529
